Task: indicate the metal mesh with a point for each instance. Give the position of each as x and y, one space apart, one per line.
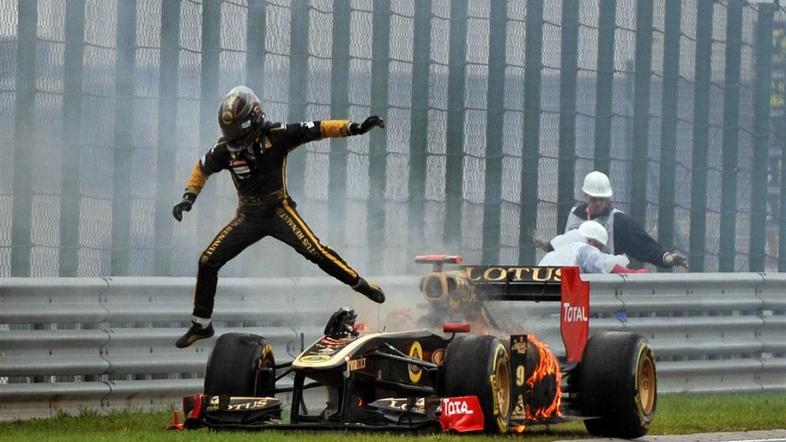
35 245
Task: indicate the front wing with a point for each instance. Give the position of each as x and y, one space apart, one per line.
460 414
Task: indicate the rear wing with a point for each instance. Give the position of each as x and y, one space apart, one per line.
515 283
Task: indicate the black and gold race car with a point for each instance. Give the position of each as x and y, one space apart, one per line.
449 381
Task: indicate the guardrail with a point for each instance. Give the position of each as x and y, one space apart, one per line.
74 343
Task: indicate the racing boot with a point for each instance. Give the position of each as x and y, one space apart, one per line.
195 333
370 290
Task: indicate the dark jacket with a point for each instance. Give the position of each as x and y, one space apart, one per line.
629 237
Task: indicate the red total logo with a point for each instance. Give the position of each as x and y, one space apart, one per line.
461 414
452 407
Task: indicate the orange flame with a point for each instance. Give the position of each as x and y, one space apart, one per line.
547 366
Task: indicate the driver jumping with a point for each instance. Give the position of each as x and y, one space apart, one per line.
255 153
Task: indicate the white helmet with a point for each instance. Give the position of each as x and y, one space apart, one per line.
597 184
594 230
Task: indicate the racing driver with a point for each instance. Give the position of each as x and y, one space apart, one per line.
255 151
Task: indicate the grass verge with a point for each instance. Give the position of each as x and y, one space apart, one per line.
676 414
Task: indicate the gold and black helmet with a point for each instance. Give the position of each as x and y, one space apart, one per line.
240 117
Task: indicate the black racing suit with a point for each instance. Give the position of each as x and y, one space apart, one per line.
265 208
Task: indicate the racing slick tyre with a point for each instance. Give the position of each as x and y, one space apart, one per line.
478 365
619 384
241 364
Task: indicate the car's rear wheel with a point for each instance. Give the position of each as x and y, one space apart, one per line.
618 384
241 364
479 365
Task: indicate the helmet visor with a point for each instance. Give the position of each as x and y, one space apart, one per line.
240 135
241 143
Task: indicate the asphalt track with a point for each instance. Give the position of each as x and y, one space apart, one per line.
737 436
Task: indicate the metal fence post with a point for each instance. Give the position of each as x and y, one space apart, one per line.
566 181
70 195
454 167
641 111
701 121
298 79
731 113
256 26
378 139
761 135
166 192
604 85
778 116
209 100
300 11
256 30
124 129
495 123
532 78
21 241
782 213
668 128
418 138
339 108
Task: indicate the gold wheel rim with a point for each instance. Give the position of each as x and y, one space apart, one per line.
502 376
646 384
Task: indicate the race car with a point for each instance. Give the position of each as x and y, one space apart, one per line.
449 381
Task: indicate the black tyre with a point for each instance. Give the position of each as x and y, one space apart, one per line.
241 364
479 365
619 384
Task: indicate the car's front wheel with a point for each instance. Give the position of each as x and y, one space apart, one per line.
479 366
241 364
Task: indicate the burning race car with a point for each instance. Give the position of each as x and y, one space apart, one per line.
454 381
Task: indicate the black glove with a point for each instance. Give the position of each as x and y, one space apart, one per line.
365 126
185 205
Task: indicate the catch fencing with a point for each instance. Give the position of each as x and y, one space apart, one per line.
105 343
495 111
